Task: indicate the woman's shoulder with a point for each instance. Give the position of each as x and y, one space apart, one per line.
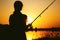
24 15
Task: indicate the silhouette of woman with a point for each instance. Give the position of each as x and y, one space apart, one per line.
17 22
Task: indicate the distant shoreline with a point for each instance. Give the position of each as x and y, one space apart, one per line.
36 29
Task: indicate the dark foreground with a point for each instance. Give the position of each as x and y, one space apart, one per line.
6 34
48 38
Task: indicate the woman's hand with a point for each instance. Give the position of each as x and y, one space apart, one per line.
30 24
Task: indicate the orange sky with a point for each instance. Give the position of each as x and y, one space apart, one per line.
32 8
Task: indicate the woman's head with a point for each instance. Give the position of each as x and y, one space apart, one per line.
18 5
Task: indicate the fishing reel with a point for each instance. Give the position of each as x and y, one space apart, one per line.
30 26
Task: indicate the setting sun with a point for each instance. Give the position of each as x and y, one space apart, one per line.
29 20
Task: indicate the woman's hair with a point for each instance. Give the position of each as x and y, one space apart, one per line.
18 5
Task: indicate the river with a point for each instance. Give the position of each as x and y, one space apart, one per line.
40 34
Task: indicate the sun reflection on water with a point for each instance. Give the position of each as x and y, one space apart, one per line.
29 38
34 35
40 34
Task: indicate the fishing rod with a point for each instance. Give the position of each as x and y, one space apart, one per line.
44 10
30 27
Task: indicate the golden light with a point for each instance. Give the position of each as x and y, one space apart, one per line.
29 35
29 38
29 20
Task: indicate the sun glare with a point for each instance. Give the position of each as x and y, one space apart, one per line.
29 20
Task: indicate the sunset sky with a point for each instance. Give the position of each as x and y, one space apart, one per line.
32 8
